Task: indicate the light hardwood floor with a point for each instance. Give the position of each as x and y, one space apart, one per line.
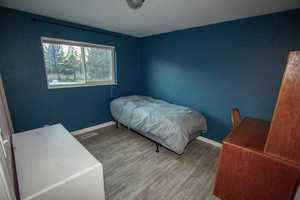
134 171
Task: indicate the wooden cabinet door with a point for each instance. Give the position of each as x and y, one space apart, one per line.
284 135
249 175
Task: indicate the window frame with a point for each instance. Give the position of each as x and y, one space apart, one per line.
82 45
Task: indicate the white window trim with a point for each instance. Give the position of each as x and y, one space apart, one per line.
80 44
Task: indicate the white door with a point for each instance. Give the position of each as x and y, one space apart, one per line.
6 127
3 191
6 166
6 184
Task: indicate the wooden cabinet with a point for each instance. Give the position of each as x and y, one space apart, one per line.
261 160
245 172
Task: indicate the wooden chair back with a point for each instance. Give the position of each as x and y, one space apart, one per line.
235 118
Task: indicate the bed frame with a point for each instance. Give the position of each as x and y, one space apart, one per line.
156 143
155 139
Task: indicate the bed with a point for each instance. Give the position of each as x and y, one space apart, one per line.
169 125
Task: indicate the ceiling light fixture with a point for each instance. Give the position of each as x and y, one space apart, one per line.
135 4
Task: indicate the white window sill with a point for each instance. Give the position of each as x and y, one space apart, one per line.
81 85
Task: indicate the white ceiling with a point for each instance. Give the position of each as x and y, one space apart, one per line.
156 16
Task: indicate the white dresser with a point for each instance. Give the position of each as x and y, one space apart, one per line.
52 165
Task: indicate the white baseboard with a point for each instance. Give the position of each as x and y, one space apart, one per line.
209 141
92 128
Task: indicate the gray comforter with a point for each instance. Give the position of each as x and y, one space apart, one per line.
173 124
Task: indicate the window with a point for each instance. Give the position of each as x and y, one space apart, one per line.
73 64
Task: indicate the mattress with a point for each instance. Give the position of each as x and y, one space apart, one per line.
171 125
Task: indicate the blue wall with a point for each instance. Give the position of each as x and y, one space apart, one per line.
31 103
217 67
211 68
